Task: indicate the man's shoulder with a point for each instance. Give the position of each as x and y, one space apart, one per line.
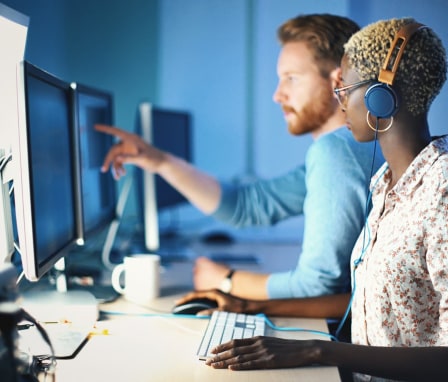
340 146
340 137
341 134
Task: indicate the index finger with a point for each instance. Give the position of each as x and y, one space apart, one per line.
231 345
111 130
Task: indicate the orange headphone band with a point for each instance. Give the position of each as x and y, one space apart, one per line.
402 37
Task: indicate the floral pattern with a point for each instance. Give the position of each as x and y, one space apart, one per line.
401 282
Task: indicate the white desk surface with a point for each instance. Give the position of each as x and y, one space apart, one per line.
161 348
143 347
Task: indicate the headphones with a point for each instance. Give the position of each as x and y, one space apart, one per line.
381 99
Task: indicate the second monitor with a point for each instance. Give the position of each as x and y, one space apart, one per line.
168 130
98 190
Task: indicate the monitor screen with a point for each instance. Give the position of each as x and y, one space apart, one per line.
99 195
171 133
45 180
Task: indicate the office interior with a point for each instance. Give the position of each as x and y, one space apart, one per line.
214 59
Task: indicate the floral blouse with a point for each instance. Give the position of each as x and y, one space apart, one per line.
401 282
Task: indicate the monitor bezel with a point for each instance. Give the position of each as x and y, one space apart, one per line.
76 89
23 181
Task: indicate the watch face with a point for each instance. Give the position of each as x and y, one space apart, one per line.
226 285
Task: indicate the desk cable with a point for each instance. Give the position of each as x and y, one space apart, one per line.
165 316
295 329
202 317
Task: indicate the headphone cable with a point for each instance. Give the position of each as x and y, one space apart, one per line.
365 231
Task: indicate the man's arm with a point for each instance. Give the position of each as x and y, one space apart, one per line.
264 202
249 285
201 189
330 306
208 274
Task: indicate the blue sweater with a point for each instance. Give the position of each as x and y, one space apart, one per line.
331 191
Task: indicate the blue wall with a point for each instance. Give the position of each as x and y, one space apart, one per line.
108 44
47 34
215 58
113 45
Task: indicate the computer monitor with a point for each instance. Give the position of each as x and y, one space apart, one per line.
14 29
47 194
169 130
99 195
47 197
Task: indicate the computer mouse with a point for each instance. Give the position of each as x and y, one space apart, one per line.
194 306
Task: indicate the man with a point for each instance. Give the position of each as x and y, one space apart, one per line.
330 189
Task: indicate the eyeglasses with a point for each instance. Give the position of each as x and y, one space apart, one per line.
343 92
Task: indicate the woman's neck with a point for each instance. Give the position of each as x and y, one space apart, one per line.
401 145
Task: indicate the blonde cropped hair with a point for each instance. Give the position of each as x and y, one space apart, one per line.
422 69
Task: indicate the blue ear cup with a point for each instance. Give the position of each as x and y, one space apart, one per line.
381 100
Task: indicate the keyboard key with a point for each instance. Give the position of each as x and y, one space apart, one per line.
225 326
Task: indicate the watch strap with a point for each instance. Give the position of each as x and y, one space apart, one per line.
226 284
230 274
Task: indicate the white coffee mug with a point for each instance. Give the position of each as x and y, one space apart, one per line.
141 278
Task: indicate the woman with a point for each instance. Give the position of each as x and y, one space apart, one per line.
400 262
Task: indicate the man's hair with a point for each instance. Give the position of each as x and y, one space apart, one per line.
324 34
422 69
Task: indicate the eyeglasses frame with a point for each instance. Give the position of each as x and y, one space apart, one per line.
346 88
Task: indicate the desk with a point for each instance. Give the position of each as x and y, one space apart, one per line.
142 348
159 348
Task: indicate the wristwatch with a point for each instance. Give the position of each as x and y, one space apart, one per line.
226 284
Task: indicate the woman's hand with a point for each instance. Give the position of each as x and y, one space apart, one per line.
264 353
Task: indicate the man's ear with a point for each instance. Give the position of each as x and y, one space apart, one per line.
336 77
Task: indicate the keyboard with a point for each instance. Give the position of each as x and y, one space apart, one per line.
225 326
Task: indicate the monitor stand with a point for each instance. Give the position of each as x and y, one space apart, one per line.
51 306
93 279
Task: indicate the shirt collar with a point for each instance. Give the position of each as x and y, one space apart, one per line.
416 170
